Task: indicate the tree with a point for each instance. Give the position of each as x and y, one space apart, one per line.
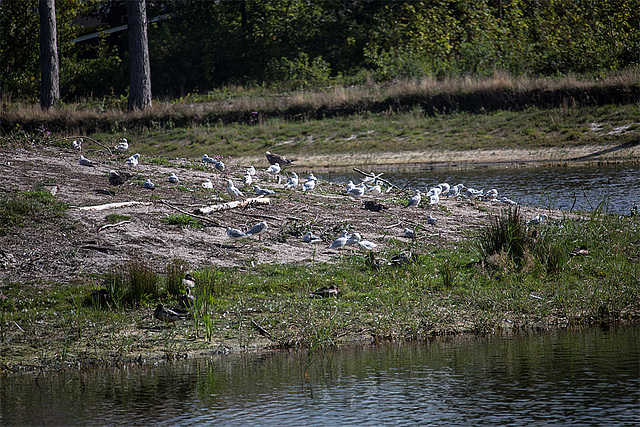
49 68
140 85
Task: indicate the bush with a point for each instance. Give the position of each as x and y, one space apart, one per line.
506 234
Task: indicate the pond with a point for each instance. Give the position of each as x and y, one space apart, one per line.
586 377
577 188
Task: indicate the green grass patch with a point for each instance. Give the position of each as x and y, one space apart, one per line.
183 220
18 209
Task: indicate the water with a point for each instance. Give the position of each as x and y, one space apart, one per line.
590 377
579 187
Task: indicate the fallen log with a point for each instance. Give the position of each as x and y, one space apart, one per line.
232 205
104 227
113 206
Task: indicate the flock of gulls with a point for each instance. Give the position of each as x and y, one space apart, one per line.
371 185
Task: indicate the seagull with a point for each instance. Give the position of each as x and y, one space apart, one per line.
491 194
77 144
207 184
207 159
472 193
339 242
233 191
353 239
409 233
251 171
123 145
433 199
292 182
148 184
444 187
375 190
357 191
275 159
325 292
311 238
219 165
247 180
85 162
434 191
166 315
118 178
350 186
258 229
133 160
173 177
366 245
309 185
431 220
235 234
274 169
312 177
415 200
507 201
455 190
538 219
263 191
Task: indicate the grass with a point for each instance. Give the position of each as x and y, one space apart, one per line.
182 220
21 208
442 291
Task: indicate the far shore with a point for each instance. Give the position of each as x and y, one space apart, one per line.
432 159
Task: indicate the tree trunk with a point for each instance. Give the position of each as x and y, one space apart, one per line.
140 85
49 68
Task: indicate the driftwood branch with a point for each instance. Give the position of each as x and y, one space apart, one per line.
88 138
104 227
113 206
232 205
372 175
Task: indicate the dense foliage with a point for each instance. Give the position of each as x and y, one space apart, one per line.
196 46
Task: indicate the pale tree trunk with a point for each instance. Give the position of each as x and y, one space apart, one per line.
49 69
140 85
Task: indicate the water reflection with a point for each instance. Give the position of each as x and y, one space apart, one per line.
579 187
590 377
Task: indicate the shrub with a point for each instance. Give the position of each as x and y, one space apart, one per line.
505 233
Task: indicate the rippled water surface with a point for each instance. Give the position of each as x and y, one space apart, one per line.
579 187
591 377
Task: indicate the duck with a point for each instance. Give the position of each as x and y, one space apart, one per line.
165 314
118 178
99 298
186 300
188 281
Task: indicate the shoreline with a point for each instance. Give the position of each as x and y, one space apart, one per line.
465 159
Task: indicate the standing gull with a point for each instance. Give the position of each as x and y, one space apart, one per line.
292 182
251 171
247 180
233 191
258 229
77 144
339 242
357 191
415 200
274 169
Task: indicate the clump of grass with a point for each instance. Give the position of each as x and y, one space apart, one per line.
182 219
211 280
133 283
447 273
506 233
17 209
174 273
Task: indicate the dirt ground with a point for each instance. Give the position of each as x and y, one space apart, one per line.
77 246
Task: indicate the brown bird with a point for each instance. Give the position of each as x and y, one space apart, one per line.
118 178
325 292
276 158
166 315
582 250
